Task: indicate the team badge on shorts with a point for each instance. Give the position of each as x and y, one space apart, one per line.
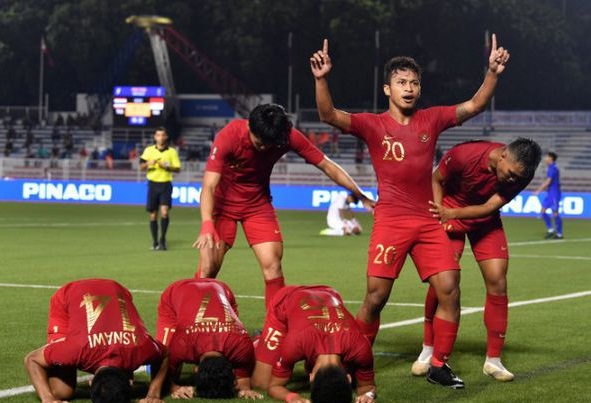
424 137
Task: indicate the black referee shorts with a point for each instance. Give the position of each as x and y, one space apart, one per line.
159 194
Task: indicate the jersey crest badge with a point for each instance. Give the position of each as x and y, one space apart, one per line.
424 137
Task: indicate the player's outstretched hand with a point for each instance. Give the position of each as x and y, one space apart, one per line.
249 395
498 57
151 399
443 214
320 62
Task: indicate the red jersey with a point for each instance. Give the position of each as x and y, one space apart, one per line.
196 316
246 171
402 156
469 180
315 321
102 328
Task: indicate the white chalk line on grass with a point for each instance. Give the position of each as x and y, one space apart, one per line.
468 311
134 291
28 389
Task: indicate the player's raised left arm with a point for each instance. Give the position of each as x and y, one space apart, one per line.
339 176
497 61
444 214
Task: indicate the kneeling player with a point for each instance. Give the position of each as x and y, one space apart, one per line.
340 218
198 321
470 185
94 327
311 323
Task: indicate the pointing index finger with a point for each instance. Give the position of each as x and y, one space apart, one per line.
494 41
325 46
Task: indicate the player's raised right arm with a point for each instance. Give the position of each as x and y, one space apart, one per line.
321 65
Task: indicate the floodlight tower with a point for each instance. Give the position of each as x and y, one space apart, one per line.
154 26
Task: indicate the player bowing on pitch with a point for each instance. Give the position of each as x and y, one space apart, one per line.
470 185
236 189
311 323
198 321
94 327
401 142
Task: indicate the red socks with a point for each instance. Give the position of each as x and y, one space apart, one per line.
431 303
495 320
369 330
445 337
271 288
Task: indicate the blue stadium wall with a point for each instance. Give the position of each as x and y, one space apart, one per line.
285 197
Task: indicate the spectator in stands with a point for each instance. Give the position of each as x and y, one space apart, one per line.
59 121
68 144
8 147
55 134
11 134
29 140
552 200
109 163
55 154
70 121
94 157
42 152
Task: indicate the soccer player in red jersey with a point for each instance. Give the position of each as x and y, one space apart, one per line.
401 143
470 185
236 189
198 321
94 327
311 323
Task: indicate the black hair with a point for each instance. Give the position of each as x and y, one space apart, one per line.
527 153
161 129
553 155
331 385
400 63
270 124
215 379
110 385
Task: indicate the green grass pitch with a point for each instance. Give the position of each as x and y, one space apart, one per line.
547 342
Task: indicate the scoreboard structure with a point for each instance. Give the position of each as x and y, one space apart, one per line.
138 106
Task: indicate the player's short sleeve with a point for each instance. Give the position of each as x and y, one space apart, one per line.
62 353
175 160
452 162
443 117
57 324
362 124
304 148
167 318
146 154
222 146
363 362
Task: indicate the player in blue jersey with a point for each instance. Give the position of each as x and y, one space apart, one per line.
552 200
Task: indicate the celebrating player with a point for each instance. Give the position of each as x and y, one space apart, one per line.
401 142
472 182
340 218
552 200
235 189
160 161
198 321
311 323
94 327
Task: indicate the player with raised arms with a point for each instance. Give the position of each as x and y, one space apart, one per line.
236 188
401 143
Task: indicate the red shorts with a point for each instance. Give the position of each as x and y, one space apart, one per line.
260 225
423 238
488 241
